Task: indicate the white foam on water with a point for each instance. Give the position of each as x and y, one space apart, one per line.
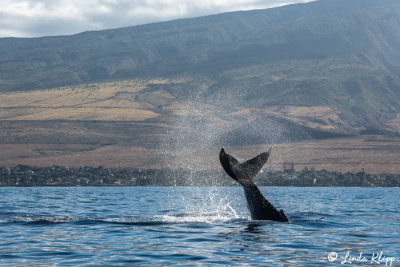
200 217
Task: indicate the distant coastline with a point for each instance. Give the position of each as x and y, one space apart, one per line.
23 175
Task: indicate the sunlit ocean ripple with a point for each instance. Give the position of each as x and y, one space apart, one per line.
158 226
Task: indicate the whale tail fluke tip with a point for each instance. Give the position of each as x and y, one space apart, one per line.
284 218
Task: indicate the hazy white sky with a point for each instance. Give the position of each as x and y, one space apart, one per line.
29 18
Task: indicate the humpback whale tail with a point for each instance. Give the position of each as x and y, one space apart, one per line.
260 208
248 169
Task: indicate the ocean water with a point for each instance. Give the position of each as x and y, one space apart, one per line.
198 226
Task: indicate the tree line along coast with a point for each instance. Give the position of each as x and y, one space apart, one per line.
23 175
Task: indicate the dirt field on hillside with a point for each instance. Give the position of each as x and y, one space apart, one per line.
374 154
123 123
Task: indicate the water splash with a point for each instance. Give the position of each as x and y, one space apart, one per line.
203 125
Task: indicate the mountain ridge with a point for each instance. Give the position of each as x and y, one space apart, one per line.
164 93
158 41
341 54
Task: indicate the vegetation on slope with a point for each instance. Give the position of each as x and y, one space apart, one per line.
324 69
342 54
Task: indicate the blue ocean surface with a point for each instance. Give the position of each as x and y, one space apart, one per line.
200 226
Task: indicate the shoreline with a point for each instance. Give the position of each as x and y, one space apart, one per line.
56 176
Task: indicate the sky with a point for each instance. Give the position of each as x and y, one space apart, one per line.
33 18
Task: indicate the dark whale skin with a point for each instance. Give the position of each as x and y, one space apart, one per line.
260 208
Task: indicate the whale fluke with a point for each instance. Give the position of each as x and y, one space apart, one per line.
253 166
260 208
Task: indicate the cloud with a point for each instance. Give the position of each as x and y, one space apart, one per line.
30 18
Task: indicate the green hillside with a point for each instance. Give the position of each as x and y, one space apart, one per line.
342 54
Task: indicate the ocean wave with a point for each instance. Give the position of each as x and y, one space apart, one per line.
206 217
